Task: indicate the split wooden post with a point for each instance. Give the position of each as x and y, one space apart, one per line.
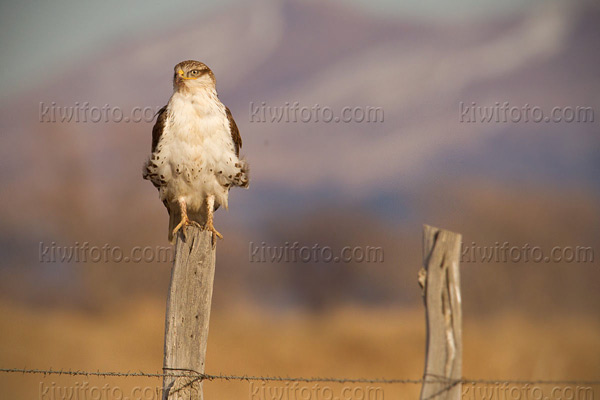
440 281
188 312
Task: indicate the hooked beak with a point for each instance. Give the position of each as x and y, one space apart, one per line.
179 78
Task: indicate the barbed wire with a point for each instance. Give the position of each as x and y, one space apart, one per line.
249 378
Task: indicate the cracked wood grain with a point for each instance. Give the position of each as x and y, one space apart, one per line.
188 313
440 281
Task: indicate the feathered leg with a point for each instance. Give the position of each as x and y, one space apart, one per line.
184 218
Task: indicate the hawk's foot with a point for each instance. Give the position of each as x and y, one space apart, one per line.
185 221
215 234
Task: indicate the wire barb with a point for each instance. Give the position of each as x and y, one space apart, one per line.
250 378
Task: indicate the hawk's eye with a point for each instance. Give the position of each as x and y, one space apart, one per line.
195 72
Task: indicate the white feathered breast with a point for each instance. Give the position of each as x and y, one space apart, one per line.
196 150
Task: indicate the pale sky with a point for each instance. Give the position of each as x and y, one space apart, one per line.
38 37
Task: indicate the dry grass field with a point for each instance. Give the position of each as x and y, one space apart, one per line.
348 342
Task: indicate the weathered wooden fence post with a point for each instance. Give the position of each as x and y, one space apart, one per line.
188 312
440 281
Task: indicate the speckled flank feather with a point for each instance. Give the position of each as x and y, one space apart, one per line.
195 149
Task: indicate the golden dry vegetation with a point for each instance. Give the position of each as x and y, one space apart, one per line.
347 342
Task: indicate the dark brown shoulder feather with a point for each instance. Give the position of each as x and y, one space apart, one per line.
159 126
235 133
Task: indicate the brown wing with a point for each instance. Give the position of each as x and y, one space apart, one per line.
235 133
157 131
159 126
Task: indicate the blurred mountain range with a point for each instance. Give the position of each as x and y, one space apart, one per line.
353 183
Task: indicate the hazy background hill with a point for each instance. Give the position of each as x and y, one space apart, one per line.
332 184
346 183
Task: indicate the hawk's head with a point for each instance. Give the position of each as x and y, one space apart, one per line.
193 75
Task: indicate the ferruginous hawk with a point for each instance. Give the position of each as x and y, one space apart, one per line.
195 151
